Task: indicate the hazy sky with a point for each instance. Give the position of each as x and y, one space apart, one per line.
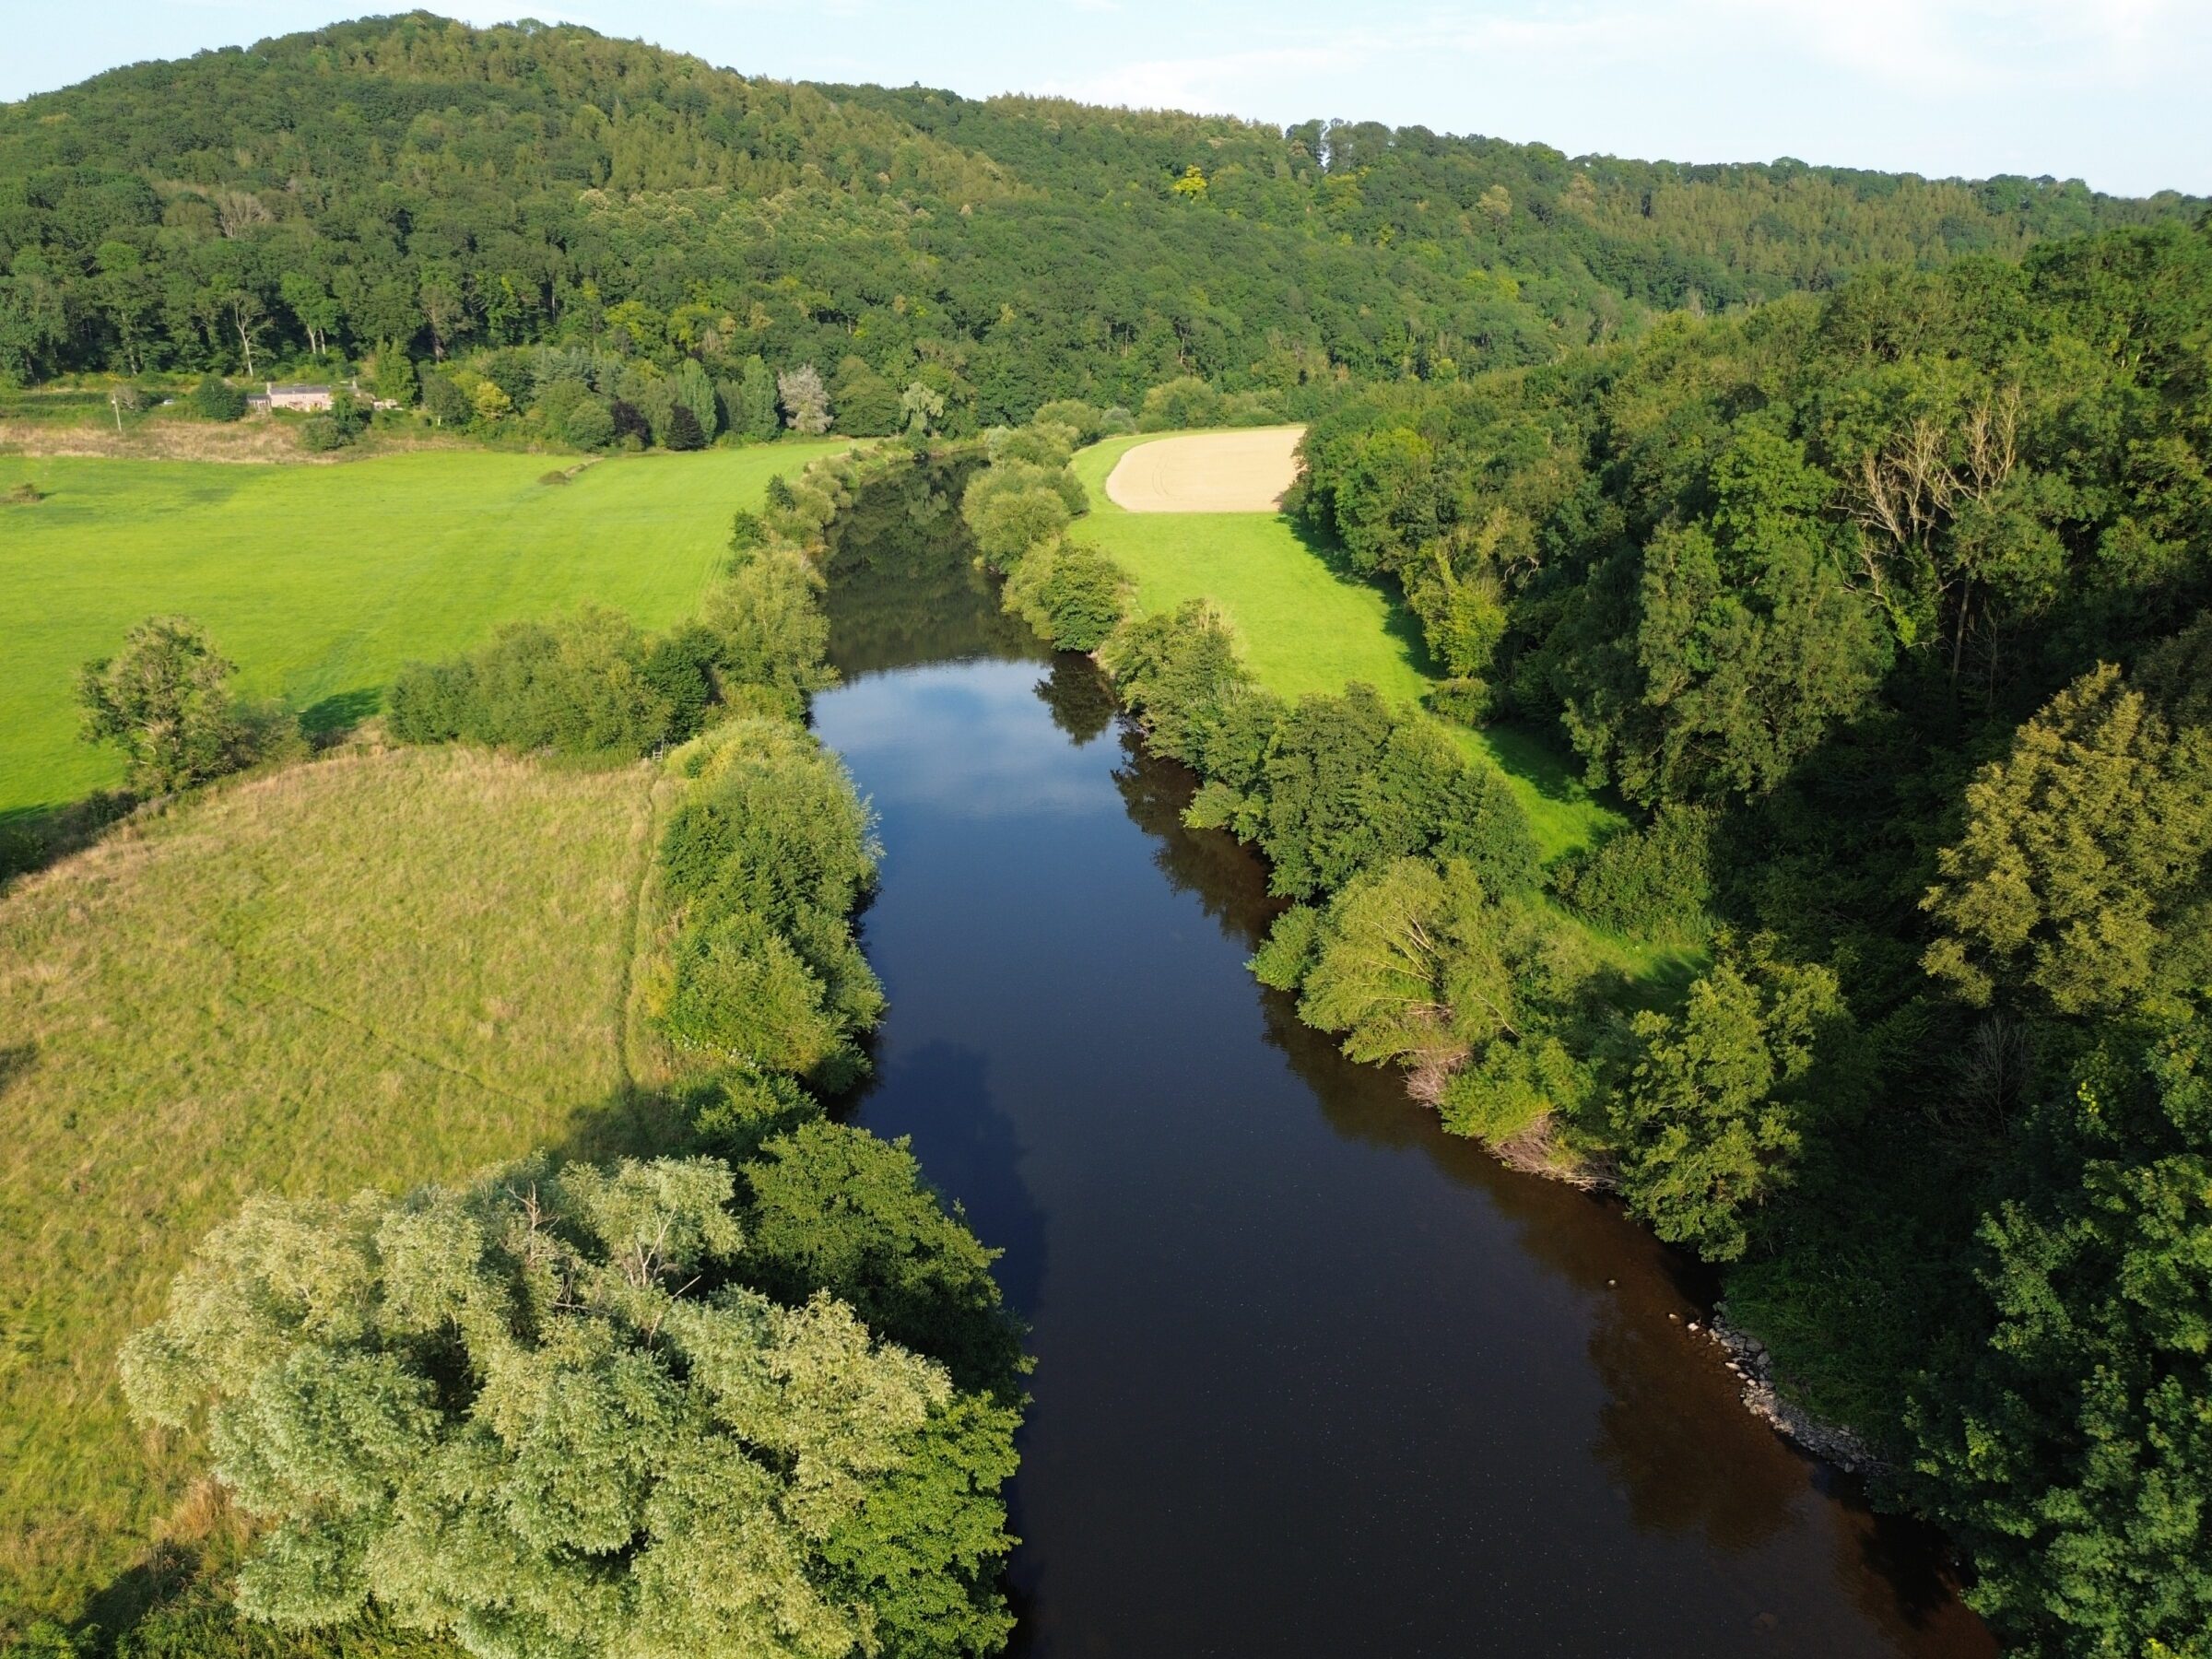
2118 92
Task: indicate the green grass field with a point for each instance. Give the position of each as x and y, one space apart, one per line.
319 581
372 970
1306 627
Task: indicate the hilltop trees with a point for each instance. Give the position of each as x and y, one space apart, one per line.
478 190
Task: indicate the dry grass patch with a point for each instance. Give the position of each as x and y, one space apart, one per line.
373 971
1207 472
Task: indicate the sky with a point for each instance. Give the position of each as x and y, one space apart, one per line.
2116 92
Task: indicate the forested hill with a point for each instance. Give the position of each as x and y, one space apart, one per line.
418 186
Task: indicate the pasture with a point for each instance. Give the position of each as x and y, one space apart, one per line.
319 581
1308 627
372 970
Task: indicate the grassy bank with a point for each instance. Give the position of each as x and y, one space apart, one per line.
319 581
374 970
1305 626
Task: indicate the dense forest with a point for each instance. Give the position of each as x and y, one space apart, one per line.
409 188
1888 610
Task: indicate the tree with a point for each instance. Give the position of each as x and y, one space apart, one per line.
443 400
2081 848
165 700
214 398
684 431
868 405
755 415
923 407
805 401
2073 1456
1712 1107
542 1413
695 391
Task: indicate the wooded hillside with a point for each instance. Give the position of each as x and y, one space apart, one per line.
416 186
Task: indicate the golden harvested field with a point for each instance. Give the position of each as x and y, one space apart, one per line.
374 970
1207 472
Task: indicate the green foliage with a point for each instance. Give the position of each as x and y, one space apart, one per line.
589 424
1016 504
769 629
1712 1108
868 405
165 700
1071 594
2085 852
596 684
1652 882
2074 1455
527 185
592 684
543 1413
834 1208
756 416
214 398
442 399
762 863
1416 964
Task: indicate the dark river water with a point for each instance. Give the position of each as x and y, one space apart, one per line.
1313 1377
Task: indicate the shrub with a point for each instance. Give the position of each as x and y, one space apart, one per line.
1184 402
1652 882
216 398
1088 424
588 424
1465 700
319 434
1071 595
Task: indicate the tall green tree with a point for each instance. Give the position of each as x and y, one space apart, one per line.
165 700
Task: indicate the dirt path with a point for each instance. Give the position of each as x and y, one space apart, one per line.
1209 472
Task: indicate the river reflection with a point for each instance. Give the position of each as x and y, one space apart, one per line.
1313 1377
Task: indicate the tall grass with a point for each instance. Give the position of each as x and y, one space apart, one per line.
370 971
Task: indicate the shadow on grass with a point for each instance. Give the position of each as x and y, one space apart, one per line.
33 837
340 713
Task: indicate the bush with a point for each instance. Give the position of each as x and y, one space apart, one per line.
1088 423
1073 595
1654 882
588 424
1466 700
165 700
319 434
216 398
1184 402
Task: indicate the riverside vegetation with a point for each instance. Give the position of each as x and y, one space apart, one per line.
748 1386
1753 566
1783 796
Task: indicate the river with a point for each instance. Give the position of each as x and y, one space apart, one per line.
1313 1378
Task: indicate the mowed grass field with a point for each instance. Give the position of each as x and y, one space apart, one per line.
321 581
1307 628
368 971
